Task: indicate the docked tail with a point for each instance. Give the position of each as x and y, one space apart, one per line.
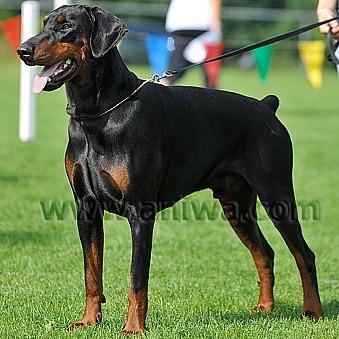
272 102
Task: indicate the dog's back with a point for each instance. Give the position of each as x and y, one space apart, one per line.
200 133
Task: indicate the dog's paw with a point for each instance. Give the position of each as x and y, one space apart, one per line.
136 330
260 308
312 315
85 322
76 325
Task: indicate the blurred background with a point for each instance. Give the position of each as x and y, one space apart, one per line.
243 21
203 281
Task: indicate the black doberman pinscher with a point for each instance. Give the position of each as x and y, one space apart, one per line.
157 146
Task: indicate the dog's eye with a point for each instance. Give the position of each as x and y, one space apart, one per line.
66 26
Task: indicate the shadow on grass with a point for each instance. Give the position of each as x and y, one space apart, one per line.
331 309
282 312
12 179
13 238
247 317
202 319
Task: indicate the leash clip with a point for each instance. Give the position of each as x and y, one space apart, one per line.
157 77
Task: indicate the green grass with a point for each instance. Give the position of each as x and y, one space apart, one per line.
203 281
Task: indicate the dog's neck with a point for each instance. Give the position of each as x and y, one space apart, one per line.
101 86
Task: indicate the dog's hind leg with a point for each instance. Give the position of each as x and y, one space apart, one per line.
239 204
277 196
271 178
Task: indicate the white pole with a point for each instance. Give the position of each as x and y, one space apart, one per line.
59 3
30 12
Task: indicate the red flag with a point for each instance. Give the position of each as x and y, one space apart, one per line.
11 28
213 68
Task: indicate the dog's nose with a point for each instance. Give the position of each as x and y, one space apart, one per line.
26 51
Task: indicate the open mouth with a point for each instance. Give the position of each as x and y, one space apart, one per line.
52 77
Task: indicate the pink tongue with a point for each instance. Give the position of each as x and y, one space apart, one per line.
39 83
40 80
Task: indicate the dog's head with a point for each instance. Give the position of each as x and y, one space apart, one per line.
72 35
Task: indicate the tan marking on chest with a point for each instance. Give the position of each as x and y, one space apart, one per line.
118 177
69 166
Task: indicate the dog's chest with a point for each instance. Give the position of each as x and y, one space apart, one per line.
97 165
110 179
107 179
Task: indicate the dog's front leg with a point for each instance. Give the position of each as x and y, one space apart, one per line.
142 231
90 227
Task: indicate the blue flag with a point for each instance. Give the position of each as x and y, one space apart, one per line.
157 52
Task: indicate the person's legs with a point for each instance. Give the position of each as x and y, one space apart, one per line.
178 61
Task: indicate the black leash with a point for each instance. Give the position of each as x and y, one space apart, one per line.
256 45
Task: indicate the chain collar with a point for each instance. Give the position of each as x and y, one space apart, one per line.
153 79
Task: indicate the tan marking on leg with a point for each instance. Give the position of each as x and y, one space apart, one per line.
94 294
264 268
266 300
137 309
94 290
312 305
265 274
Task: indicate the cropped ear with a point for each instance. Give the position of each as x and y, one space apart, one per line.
107 31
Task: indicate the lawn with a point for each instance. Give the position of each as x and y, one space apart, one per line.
203 281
